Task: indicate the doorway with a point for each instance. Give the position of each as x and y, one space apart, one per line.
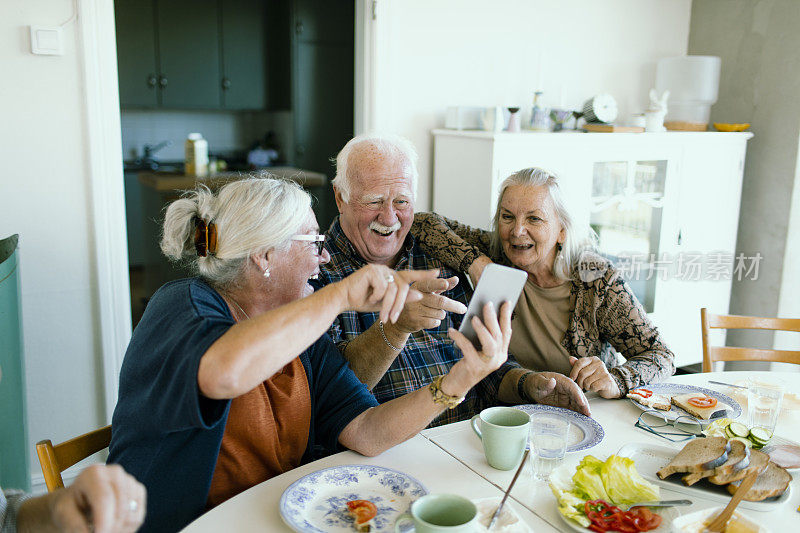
174 61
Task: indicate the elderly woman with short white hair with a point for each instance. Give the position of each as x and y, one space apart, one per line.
576 311
230 378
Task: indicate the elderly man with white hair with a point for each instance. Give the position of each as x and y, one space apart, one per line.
375 189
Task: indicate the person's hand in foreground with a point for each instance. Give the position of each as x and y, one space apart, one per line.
102 499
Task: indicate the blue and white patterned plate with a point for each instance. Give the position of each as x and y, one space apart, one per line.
316 503
724 402
584 432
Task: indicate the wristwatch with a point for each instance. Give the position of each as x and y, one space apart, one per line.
439 397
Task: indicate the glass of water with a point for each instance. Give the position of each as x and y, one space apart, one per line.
549 435
764 403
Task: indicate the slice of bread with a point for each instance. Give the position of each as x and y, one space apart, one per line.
738 454
758 462
704 413
655 401
773 481
698 455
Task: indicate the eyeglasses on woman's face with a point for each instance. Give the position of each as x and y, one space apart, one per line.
317 240
678 430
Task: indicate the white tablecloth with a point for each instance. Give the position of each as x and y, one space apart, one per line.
450 459
617 417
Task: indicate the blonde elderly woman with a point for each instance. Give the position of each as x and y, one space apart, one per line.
230 378
576 311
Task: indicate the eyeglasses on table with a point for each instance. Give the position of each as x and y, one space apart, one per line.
678 430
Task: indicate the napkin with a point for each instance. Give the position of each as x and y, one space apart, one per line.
508 521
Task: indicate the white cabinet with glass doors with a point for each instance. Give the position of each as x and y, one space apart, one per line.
664 205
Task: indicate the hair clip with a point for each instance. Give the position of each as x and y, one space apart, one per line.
205 237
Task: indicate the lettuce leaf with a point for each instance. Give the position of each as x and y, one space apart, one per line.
570 503
588 480
624 484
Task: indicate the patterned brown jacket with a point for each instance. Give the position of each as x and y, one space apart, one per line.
606 317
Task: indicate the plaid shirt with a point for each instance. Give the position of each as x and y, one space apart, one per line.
10 502
428 353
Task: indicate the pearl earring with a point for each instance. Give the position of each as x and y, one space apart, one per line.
266 272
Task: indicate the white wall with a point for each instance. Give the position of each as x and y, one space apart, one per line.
433 53
45 197
759 84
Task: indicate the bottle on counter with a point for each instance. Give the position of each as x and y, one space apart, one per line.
540 116
196 155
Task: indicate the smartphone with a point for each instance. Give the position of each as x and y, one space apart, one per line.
498 284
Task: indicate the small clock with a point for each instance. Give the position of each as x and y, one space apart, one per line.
600 108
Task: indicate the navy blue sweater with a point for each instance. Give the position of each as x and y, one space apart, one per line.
167 434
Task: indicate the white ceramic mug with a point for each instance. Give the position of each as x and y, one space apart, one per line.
441 513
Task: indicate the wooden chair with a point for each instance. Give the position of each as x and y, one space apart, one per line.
712 354
56 459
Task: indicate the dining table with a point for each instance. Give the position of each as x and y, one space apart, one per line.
450 459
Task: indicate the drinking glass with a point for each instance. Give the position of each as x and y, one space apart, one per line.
764 403
548 442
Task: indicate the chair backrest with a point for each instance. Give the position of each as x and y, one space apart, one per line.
56 459
732 353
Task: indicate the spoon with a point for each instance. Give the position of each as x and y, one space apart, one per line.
661 503
508 491
720 521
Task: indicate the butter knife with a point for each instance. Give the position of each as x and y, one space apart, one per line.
508 491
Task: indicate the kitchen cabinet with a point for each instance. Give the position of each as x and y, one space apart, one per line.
322 88
136 52
664 205
188 54
244 76
196 54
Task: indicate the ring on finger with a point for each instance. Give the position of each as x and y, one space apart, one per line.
389 278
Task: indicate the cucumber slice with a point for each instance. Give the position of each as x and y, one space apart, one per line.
738 430
746 442
760 435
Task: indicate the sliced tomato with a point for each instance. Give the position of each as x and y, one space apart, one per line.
644 393
363 510
703 402
605 517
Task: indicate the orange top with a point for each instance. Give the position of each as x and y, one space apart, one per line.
266 433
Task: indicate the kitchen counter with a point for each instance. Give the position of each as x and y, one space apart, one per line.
175 181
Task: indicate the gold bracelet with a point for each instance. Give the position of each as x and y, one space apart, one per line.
386 339
440 397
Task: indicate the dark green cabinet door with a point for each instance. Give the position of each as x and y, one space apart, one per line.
189 59
244 72
136 53
323 104
324 20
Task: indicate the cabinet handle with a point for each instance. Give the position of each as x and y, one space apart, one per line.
163 81
226 84
680 236
298 27
151 81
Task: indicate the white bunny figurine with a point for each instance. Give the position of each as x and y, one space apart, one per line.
654 116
